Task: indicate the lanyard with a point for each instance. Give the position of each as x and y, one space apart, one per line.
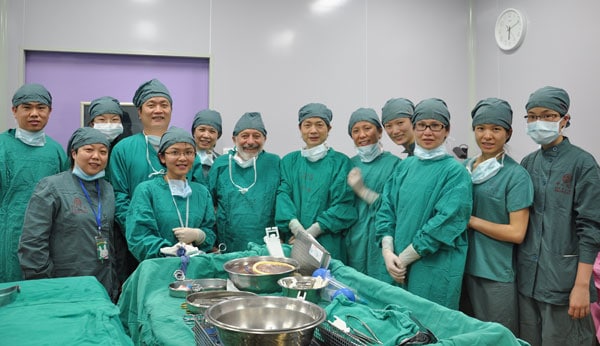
87 196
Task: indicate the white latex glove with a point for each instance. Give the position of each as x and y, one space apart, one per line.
189 235
355 181
295 226
408 256
392 263
314 230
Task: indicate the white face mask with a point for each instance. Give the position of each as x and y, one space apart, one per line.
315 153
110 130
433 154
244 163
35 139
206 158
543 132
78 172
179 188
486 170
154 141
369 152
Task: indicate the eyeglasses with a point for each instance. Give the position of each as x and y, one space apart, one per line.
435 127
544 117
176 153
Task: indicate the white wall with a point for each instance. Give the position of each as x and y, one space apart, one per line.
273 56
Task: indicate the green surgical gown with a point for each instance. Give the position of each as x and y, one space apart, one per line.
364 253
243 217
153 215
564 222
21 167
317 192
427 203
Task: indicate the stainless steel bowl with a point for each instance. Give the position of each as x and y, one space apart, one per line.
302 287
199 302
181 288
244 278
265 320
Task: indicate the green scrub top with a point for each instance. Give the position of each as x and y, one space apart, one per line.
21 167
364 253
564 222
152 216
427 203
493 200
243 217
317 192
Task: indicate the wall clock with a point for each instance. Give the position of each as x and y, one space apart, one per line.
510 29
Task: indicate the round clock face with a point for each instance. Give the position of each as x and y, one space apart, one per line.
510 29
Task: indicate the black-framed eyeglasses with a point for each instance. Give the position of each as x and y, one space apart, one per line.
176 153
543 117
435 127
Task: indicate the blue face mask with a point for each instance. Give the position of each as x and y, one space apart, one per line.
369 152
78 172
486 170
205 157
179 188
154 141
35 139
433 154
543 132
315 153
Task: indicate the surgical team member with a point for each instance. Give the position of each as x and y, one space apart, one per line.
313 194
170 208
134 159
424 212
69 220
396 117
27 155
372 168
563 236
106 116
206 129
502 195
243 184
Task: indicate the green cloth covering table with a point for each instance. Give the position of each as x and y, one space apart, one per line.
152 317
61 311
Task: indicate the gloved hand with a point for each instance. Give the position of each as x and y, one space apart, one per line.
408 256
394 266
355 181
189 235
172 250
314 230
295 226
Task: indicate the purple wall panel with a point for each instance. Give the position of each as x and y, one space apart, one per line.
75 77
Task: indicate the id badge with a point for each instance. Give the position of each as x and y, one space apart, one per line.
101 248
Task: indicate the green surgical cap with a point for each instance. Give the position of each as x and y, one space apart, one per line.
363 114
208 117
84 136
397 108
32 93
175 135
251 120
105 105
433 108
492 111
151 88
550 97
312 110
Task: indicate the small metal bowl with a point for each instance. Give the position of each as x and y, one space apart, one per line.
9 294
302 287
199 302
244 278
182 288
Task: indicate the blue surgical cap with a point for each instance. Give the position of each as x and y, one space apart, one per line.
250 120
432 108
313 110
32 93
105 105
363 114
208 117
492 111
149 89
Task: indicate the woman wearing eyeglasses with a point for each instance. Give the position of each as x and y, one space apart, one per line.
424 213
169 209
502 194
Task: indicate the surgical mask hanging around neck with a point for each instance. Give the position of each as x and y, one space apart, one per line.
433 154
35 139
206 157
486 169
244 163
315 153
110 130
179 188
543 132
78 172
154 141
369 152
